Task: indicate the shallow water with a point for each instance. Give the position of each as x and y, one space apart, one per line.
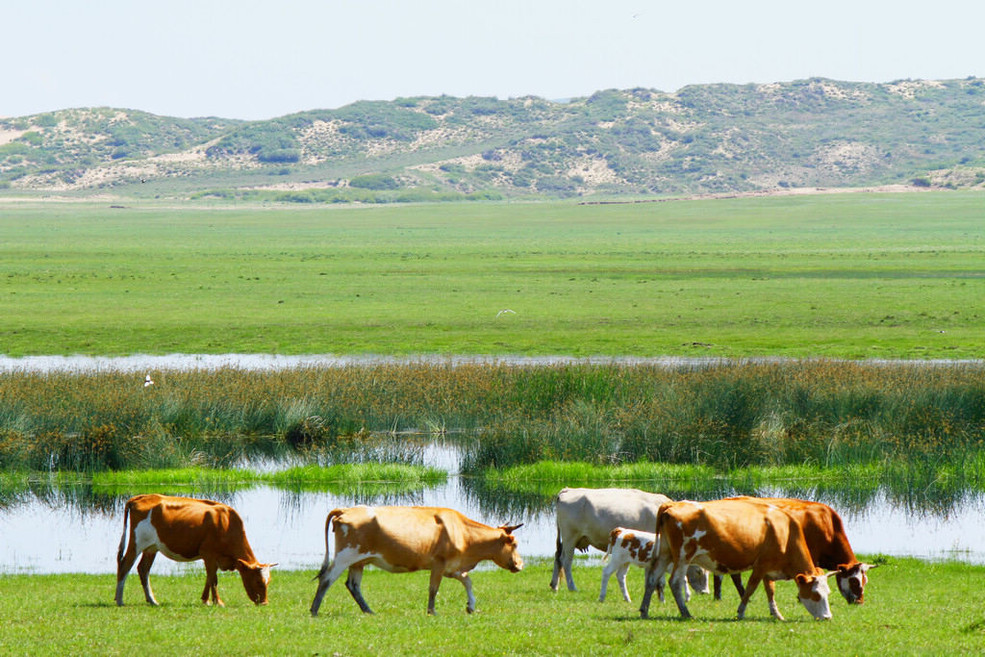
60 534
146 363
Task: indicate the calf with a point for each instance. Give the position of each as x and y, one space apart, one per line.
629 547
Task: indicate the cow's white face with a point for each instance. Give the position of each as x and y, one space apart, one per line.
255 578
852 581
813 594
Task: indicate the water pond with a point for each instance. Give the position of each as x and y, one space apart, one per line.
59 531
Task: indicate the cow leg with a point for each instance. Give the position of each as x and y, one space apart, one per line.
654 580
678 584
621 578
326 577
354 583
437 572
467 583
750 589
143 569
212 585
123 566
607 570
563 557
770 587
557 562
736 581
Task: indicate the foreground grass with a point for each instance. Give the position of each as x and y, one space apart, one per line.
847 276
912 607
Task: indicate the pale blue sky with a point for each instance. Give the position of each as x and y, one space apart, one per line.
253 59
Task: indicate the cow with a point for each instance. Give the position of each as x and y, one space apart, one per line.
587 516
630 547
401 539
186 529
732 536
827 542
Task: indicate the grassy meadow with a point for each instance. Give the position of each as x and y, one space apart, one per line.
844 276
912 608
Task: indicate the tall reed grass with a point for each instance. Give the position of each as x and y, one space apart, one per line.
723 416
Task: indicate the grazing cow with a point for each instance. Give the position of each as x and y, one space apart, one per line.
630 547
732 536
186 529
402 539
587 516
827 542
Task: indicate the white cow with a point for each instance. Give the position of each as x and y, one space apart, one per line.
587 516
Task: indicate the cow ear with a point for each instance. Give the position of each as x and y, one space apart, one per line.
868 566
509 529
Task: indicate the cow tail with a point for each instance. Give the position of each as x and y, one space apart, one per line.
123 539
656 538
333 514
557 551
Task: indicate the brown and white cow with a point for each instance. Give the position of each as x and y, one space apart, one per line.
587 516
633 547
403 539
186 529
827 542
732 536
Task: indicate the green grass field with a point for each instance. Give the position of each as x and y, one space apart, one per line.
853 276
912 608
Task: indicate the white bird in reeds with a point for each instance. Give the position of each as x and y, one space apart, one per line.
505 310
148 381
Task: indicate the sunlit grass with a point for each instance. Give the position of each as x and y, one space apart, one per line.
912 607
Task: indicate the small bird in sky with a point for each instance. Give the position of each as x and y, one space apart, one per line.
148 381
505 310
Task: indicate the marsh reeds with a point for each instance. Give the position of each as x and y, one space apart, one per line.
723 416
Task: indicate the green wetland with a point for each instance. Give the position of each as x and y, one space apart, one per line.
839 358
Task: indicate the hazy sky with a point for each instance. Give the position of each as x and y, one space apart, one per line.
253 59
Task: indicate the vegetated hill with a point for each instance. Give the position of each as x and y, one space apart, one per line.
719 138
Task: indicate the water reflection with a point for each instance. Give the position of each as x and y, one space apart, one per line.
49 529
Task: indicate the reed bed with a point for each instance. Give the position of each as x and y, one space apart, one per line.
722 416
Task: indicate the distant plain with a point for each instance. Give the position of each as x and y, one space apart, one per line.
865 275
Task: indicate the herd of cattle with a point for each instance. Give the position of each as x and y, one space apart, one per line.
774 538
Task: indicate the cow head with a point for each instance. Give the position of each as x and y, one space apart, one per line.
256 577
852 580
812 591
507 556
